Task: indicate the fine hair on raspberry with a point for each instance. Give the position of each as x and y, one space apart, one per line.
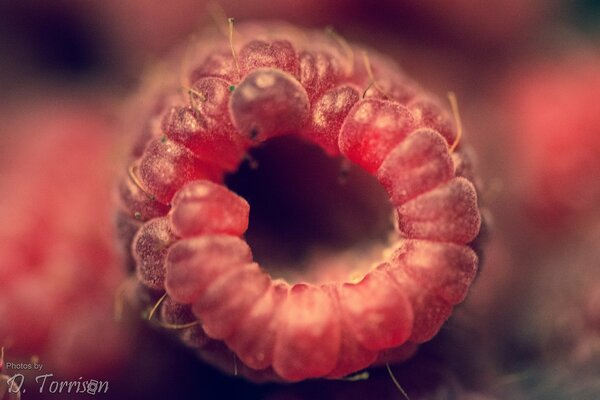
190 222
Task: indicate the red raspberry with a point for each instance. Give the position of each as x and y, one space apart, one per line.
58 268
555 114
278 81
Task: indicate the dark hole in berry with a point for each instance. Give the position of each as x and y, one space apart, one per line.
309 210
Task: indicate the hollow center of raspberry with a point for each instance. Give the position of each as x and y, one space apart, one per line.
312 217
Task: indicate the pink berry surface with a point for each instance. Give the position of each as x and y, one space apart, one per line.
58 264
277 89
279 212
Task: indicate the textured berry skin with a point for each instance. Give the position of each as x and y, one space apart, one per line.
284 81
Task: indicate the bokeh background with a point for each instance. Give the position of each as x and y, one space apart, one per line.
527 76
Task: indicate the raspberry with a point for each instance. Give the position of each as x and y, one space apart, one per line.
381 313
276 54
431 115
139 203
418 164
556 143
205 127
372 129
241 287
446 213
150 246
166 165
202 207
314 324
194 263
443 267
328 114
58 268
333 310
256 332
181 317
267 103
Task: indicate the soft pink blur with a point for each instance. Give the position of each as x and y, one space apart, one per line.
533 122
58 269
554 111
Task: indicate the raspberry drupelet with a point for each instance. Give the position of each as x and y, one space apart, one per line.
185 230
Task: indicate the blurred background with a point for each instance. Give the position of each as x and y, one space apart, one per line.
527 77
